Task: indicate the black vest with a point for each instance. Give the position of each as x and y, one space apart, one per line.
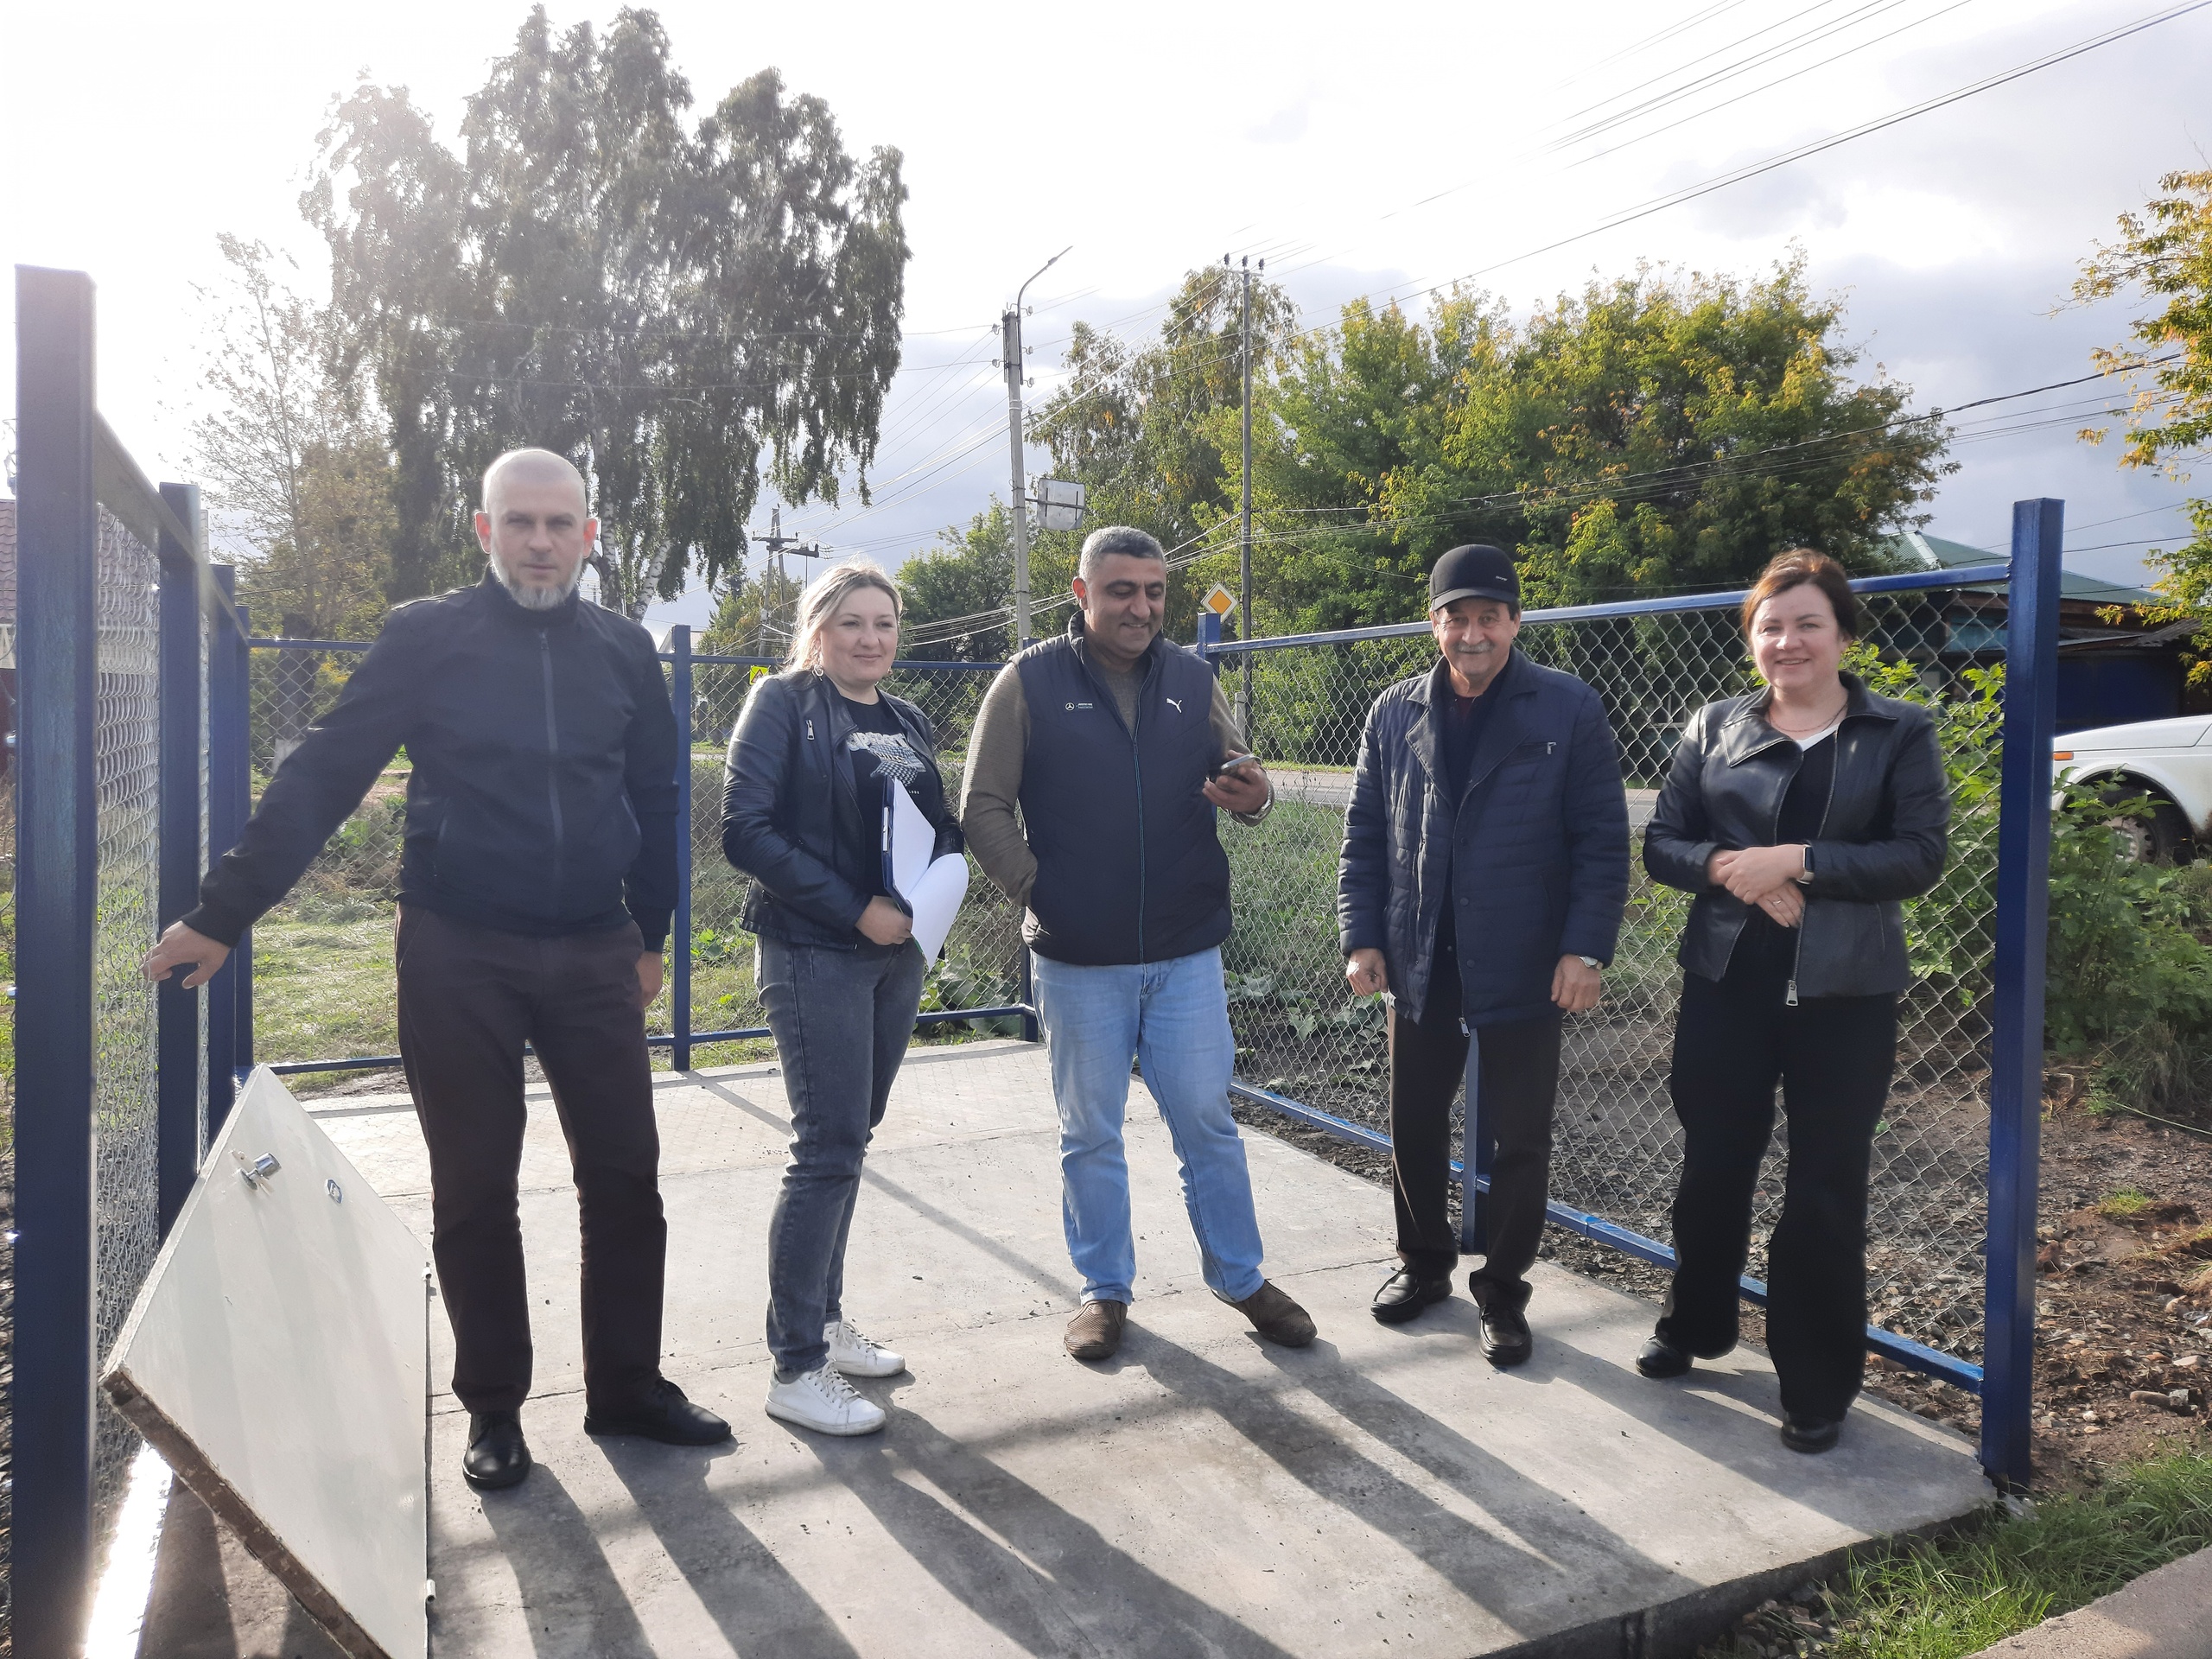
1128 867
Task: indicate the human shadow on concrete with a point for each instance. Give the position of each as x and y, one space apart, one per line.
572 1603
1062 1290
1859 1484
1522 1571
1728 1418
1069 1591
750 1594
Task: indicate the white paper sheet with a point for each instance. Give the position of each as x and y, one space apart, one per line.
932 887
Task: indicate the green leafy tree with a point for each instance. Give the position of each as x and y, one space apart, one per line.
1152 431
687 310
2165 253
1664 433
293 467
956 592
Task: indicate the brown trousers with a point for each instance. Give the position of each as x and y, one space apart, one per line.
469 999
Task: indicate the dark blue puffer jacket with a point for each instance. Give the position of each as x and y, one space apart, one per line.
1535 856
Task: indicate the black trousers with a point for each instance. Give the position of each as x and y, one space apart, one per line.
1833 1057
469 999
1519 1077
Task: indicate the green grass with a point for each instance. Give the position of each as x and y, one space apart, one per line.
2003 1575
2123 1202
322 989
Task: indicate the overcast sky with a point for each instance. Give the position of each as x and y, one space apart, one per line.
1380 152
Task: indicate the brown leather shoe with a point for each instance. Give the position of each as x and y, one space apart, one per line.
1096 1333
1275 1317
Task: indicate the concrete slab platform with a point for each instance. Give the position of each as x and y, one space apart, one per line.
1383 1492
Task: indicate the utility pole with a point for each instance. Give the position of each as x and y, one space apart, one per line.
1244 538
1018 495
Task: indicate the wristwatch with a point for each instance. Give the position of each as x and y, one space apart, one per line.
1804 877
1590 961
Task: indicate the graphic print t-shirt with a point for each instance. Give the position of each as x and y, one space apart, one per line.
879 748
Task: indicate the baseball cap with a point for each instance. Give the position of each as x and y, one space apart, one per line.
1476 571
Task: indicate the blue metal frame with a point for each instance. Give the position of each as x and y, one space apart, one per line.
2016 1041
183 711
57 875
2004 1382
679 695
228 714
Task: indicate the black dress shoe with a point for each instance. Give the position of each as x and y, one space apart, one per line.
498 1456
664 1416
1405 1293
1660 1358
1810 1433
1506 1340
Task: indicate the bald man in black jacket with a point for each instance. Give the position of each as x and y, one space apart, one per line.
536 890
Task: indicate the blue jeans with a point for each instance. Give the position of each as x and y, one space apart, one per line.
841 1019
1173 1018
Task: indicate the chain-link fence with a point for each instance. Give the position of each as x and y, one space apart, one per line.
106 605
1302 1036
127 777
322 959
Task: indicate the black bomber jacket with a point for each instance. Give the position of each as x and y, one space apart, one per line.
1883 838
787 791
542 794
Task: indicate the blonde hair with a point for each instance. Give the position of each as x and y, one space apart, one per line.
825 595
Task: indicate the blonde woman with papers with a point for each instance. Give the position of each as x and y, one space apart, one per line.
822 762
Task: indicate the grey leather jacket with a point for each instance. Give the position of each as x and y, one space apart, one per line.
1883 837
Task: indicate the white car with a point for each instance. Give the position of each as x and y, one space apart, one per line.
2165 762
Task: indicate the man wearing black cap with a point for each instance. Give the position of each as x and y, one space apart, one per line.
1484 872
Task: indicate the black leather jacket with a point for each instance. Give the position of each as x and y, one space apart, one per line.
788 791
1881 840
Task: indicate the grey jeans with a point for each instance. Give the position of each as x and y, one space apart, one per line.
841 1019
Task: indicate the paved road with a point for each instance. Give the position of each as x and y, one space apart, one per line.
1334 789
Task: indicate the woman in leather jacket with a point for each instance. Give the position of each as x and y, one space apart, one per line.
1800 815
817 752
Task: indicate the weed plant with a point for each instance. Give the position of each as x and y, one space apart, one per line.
1958 1595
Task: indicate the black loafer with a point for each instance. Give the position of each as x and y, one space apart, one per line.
1405 1293
1660 1358
1506 1340
1810 1433
664 1416
498 1456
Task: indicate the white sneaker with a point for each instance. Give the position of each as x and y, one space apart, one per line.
825 1402
855 1356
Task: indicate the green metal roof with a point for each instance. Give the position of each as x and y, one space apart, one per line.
1915 548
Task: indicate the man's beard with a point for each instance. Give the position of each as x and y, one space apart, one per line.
534 598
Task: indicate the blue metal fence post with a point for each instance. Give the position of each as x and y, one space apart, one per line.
2016 1042
57 853
182 704
679 691
238 791
226 739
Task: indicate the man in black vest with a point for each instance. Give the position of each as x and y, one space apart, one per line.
1113 743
